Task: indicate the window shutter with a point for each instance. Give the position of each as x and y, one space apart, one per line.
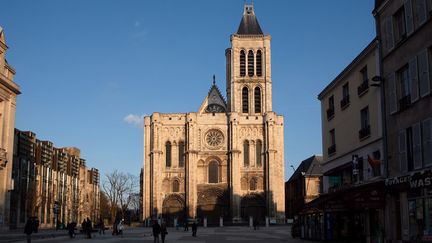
423 68
421 12
402 151
417 146
409 21
427 141
389 33
392 93
414 79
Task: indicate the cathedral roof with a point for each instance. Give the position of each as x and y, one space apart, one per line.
249 24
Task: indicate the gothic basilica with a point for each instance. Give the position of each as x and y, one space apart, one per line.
227 159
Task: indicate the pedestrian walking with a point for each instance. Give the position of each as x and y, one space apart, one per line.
156 231
101 227
186 225
194 229
120 227
89 228
28 229
71 229
164 231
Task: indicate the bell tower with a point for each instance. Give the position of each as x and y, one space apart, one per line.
249 85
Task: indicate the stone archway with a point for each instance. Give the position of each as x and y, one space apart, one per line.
213 204
253 204
173 207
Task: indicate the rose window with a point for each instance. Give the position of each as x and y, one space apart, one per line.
214 138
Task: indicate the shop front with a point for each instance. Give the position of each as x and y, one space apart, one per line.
410 197
354 214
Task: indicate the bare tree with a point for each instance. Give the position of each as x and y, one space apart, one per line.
118 187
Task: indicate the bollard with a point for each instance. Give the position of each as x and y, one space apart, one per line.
205 222
250 221
220 222
175 223
267 221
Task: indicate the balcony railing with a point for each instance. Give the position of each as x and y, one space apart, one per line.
331 150
330 113
404 102
364 132
363 88
345 102
3 158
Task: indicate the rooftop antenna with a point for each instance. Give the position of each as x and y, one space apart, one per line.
214 79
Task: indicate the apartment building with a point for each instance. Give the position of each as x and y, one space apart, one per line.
52 184
404 29
352 204
8 93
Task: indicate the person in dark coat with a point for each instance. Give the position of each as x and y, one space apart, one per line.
101 227
28 229
89 228
156 231
164 231
71 229
194 229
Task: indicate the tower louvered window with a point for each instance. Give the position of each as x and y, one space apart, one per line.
258 153
246 153
242 63
251 63
257 97
181 154
168 154
245 100
259 63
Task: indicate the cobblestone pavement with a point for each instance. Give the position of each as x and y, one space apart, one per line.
204 235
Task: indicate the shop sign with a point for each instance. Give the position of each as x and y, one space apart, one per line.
413 181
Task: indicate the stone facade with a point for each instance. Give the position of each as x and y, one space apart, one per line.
227 159
8 93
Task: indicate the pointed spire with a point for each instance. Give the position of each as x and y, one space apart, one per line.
214 79
249 24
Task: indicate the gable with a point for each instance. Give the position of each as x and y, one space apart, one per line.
214 102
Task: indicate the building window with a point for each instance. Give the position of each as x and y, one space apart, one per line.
427 141
175 186
258 153
245 100
259 63
405 87
253 184
364 86
213 172
332 149
246 153
250 63
242 63
330 110
257 100
181 153
364 123
345 96
399 25
168 154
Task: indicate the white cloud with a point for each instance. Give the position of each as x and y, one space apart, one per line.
135 120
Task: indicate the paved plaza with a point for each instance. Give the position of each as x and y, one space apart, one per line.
204 235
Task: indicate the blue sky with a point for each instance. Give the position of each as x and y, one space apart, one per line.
89 69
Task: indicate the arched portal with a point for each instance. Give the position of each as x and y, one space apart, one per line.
253 204
173 207
213 204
